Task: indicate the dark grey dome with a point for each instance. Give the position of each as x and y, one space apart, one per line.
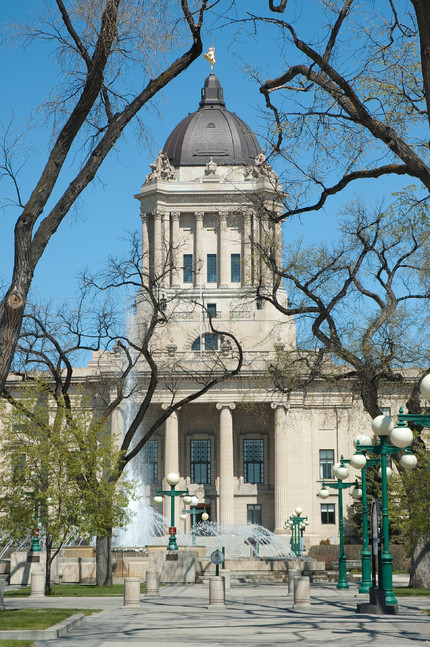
212 132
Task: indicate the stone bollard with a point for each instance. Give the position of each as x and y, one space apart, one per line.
152 585
37 584
225 573
216 591
2 583
131 592
301 592
292 573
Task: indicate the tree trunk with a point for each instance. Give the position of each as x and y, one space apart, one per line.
420 564
48 547
104 560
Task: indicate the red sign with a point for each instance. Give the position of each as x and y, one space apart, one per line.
172 530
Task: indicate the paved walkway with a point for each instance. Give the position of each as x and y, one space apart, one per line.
255 615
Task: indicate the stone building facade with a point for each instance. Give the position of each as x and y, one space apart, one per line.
250 454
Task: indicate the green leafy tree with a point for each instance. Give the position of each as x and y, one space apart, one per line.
56 473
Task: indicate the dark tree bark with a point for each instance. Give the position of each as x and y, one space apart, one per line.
104 576
420 564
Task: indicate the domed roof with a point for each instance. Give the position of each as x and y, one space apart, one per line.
212 132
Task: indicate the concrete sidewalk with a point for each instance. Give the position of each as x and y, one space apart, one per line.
256 615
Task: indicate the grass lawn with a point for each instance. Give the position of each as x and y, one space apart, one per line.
404 592
75 590
37 618
16 643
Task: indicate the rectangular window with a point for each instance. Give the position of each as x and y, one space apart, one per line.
150 462
188 268
326 463
253 514
235 268
385 411
327 513
211 308
211 268
200 452
253 461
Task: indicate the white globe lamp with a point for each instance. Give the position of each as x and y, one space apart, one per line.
382 425
172 478
408 461
401 437
358 461
323 493
425 387
342 472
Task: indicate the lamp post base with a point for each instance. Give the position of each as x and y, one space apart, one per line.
377 605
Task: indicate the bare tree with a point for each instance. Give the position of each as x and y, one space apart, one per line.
360 306
350 103
50 341
98 52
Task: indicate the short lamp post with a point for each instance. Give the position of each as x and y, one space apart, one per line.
341 472
401 437
193 512
35 543
173 480
298 524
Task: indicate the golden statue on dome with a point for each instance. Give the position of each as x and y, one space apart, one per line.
210 56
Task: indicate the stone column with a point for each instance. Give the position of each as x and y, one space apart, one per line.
171 459
247 250
145 248
256 249
165 247
265 241
281 471
226 479
223 264
198 248
157 245
176 250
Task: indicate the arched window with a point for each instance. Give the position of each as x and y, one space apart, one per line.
210 342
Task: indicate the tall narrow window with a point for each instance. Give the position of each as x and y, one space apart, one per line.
253 461
253 514
326 463
188 268
327 513
211 268
150 462
235 268
211 309
200 452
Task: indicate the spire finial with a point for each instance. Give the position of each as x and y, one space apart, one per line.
210 56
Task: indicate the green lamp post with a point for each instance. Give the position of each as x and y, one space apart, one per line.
35 543
193 512
341 472
297 523
401 437
359 461
173 480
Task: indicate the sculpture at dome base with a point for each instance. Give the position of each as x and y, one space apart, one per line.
161 169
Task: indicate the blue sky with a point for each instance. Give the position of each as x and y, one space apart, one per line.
107 209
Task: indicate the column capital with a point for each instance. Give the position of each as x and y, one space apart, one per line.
158 213
175 215
165 406
199 215
280 405
225 405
